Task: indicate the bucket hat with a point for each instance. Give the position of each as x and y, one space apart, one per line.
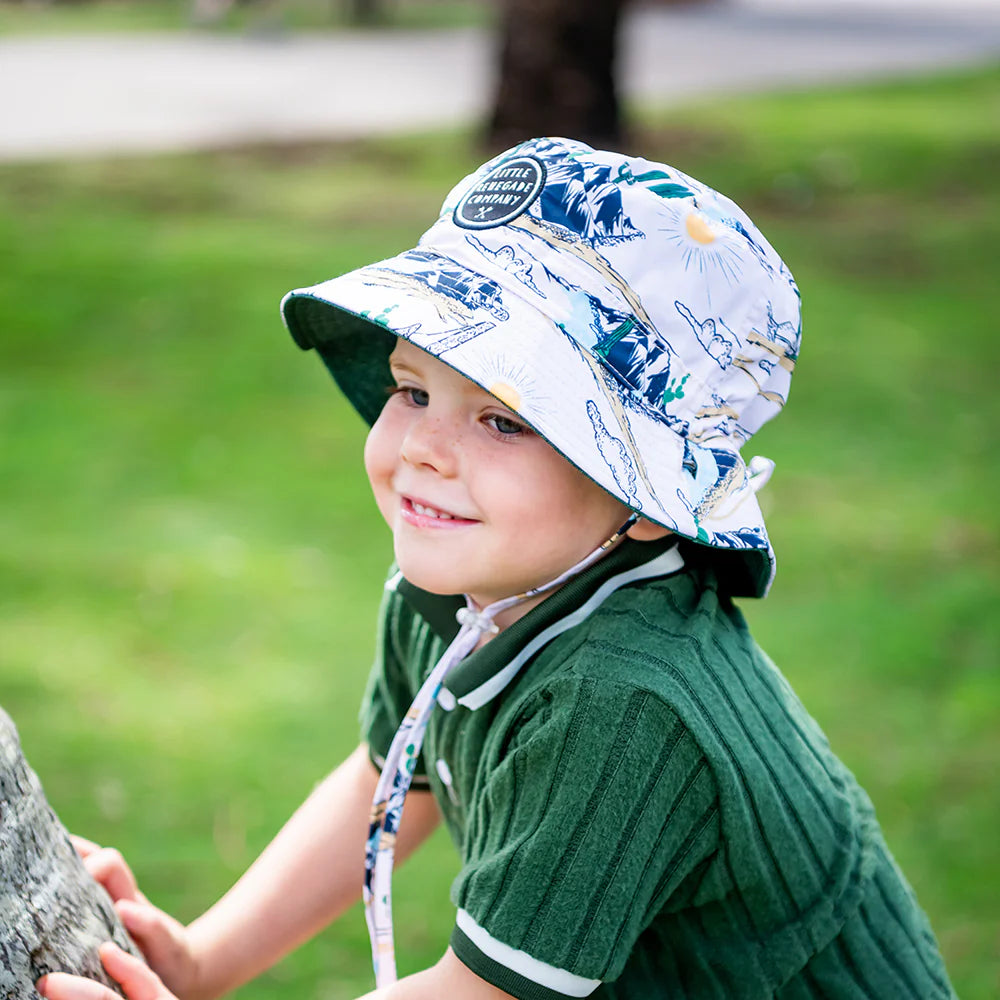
629 314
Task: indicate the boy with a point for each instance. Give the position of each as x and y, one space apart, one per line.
576 352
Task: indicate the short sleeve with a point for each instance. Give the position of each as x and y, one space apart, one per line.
599 811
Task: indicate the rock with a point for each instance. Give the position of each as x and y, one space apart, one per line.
53 915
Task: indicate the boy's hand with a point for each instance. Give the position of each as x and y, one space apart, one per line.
161 938
136 979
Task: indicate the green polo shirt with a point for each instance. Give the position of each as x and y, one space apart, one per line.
642 806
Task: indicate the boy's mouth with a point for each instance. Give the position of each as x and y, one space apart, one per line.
423 515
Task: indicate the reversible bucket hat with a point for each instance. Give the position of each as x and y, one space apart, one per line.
633 317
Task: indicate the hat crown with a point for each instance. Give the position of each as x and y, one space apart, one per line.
664 281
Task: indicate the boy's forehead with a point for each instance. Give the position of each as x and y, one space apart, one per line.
403 350
407 355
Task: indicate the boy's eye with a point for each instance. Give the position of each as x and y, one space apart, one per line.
505 425
412 395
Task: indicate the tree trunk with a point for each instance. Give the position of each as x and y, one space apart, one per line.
365 12
53 915
557 72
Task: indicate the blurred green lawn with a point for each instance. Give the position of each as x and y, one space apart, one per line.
190 563
261 16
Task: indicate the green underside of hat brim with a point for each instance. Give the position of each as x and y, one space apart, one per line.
354 349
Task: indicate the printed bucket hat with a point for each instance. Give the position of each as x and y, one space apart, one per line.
632 316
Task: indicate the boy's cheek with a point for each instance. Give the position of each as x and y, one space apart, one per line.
385 496
379 460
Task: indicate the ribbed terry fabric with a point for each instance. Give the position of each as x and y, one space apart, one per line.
649 805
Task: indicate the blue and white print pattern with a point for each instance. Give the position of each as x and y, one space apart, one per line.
460 288
614 453
505 257
708 334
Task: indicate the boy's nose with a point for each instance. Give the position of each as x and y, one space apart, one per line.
430 441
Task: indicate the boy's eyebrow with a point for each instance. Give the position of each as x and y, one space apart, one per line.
402 366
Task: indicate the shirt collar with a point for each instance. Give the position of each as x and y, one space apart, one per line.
484 673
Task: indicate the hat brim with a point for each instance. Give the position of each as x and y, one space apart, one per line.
485 330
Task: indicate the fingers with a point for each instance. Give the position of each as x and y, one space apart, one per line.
137 979
60 986
83 846
161 939
147 925
108 867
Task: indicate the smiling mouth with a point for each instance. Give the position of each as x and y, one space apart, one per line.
430 511
419 513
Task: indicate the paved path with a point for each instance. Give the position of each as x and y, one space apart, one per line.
74 95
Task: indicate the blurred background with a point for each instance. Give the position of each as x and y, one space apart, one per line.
190 562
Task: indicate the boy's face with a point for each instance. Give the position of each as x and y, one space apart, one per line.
478 504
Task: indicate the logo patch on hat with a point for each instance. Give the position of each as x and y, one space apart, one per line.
503 194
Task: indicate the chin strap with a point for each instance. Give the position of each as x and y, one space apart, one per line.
400 761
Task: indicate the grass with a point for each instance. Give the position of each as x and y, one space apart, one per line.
190 563
47 17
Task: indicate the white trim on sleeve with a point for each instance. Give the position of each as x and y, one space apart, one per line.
523 964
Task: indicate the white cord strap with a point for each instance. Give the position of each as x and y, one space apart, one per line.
401 760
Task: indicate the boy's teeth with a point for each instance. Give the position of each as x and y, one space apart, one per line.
430 511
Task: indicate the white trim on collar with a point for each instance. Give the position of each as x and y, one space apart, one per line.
667 562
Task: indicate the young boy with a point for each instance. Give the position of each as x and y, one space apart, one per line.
560 379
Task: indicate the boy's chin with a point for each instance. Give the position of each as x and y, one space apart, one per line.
445 585
434 582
